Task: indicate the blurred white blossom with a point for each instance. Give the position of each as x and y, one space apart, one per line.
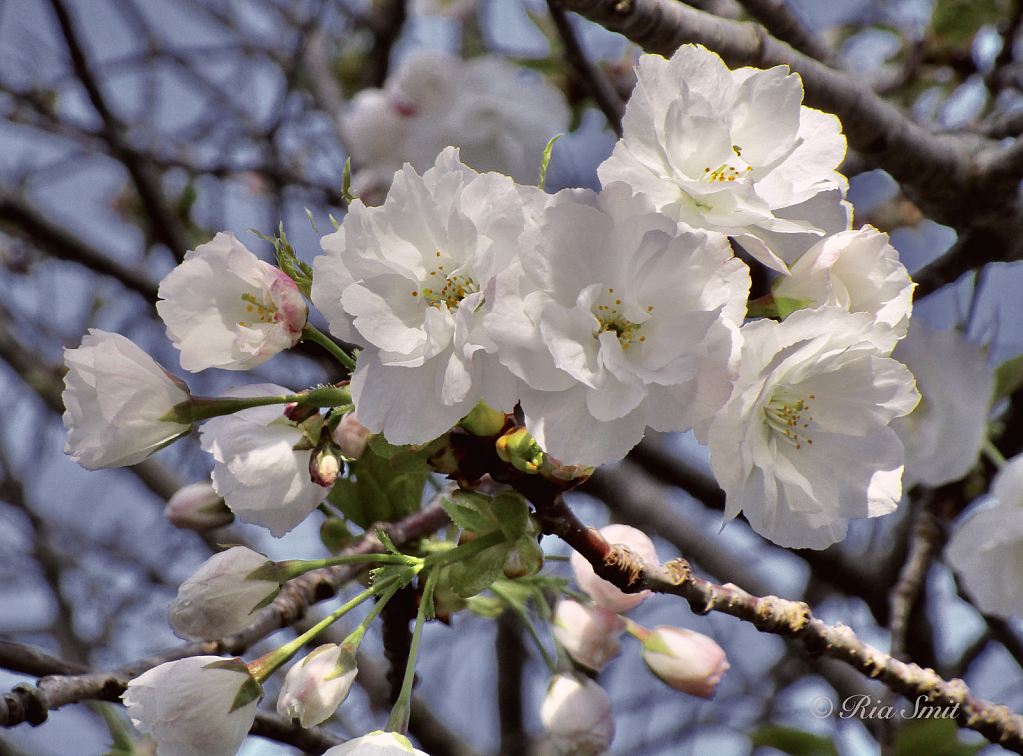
499 115
577 714
590 634
986 548
197 506
944 434
116 398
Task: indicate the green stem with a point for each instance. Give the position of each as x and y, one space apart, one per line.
198 408
464 551
992 453
313 334
398 721
548 660
292 568
266 665
354 640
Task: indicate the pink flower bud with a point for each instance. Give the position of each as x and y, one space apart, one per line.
316 686
588 633
577 714
324 466
685 660
197 507
351 435
602 592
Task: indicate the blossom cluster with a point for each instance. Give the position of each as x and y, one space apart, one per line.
590 315
597 314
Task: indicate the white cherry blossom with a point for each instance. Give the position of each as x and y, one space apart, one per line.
188 705
732 151
262 478
317 685
590 634
577 714
376 744
226 308
986 548
603 593
857 270
803 444
499 115
685 660
221 598
408 280
198 507
114 397
944 434
618 318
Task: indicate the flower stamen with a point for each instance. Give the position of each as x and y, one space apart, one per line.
790 417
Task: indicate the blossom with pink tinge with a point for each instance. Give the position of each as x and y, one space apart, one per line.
603 593
226 308
685 660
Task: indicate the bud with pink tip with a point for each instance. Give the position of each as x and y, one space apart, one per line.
197 507
588 633
602 592
222 596
685 660
577 714
351 436
317 685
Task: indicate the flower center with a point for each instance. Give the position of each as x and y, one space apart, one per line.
790 417
611 318
727 171
258 312
453 288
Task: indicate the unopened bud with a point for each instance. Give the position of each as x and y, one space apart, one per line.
221 597
590 634
350 436
685 660
483 420
602 592
577 714
325 465
316 686
520 450
197 507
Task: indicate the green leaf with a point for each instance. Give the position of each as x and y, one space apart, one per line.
923 736
793 741
770 306
312 221
512 513
346 183
490 607
1008 378
478 572
470 511
547 159
334 531
376 491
